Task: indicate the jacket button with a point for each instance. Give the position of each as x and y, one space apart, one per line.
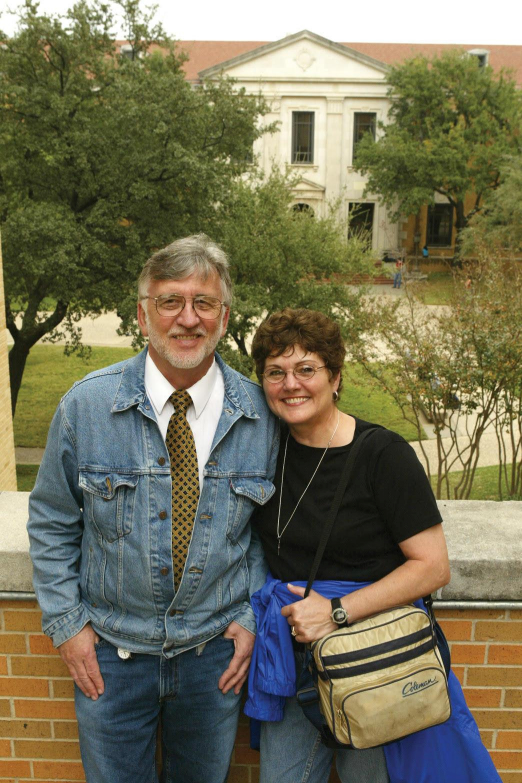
161 460
162 515
164 571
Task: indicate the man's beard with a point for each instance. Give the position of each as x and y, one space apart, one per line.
164 345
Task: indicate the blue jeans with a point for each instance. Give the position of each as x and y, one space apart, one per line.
199 723
397 279
292 752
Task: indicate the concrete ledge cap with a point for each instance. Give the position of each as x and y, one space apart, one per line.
485 547
484 544
16 571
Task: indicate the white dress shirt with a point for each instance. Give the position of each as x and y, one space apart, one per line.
203 415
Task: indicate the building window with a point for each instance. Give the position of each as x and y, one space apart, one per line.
127 51
440 225
481 55
303 136
303 209
363 122
361 220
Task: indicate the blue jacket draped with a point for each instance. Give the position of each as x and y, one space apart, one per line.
450 753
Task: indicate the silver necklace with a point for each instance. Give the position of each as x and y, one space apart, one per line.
280 532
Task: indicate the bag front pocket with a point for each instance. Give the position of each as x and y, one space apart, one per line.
109 499
393 708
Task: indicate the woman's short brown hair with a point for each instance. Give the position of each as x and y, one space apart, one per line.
310 329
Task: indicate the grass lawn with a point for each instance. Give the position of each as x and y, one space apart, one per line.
485 485
48 375
25 477
371 404
437 289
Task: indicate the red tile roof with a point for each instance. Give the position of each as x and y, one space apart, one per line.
204 54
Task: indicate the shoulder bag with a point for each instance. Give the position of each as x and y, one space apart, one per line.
378 679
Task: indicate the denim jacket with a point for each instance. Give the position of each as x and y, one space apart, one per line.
100 517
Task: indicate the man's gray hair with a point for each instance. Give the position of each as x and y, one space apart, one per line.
182 258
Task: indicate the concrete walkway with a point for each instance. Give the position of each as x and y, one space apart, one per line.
101 330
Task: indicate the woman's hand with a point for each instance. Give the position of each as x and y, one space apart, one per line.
310 618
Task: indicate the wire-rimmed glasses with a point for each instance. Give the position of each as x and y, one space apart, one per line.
168 305
304 373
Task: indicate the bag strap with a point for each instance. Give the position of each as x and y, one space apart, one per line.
339 494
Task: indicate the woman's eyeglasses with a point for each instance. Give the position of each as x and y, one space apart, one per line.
304 373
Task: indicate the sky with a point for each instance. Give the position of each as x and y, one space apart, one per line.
375 21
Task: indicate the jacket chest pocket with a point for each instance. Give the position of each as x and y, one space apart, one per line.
246 494
109 500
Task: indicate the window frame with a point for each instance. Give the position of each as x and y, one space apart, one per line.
372 128
431 239
370 208
295 153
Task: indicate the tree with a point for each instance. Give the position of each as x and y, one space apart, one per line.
451 126
104 158
282 257
499 225
459 367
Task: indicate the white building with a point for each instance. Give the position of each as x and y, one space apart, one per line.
325 96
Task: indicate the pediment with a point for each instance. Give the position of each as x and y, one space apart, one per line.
308 186
304 55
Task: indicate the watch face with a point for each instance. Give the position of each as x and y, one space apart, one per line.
339 615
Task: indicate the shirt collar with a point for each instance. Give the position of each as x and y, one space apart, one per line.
159 389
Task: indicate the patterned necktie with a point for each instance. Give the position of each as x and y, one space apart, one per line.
185 480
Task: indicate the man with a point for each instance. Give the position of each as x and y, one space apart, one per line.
143 556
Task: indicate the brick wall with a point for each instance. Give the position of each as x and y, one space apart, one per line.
7 453
38 730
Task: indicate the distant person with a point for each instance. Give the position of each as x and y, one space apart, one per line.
425 252
140 536
397 277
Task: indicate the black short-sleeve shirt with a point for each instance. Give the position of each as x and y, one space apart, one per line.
388 500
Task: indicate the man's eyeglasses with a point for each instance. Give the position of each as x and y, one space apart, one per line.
168 305
304 373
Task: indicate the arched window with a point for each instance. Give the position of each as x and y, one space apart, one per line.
304 209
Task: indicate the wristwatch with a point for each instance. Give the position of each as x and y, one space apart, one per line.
339 614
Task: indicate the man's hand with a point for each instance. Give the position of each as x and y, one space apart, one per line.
80 656
237 671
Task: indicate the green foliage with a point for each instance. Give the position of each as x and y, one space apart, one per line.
104 158
452 124
282 258
500 223
460 367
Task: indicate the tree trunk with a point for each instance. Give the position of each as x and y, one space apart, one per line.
17 359
24 339
461 221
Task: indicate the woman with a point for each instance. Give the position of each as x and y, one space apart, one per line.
387 539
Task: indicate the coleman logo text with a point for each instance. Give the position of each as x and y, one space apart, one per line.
411 688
